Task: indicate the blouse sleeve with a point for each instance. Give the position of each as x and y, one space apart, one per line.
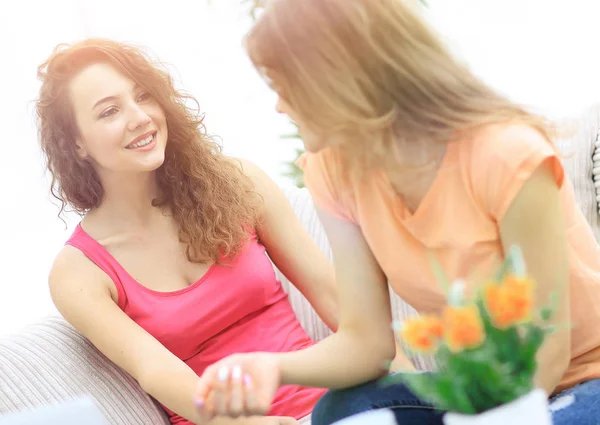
323 184
503 159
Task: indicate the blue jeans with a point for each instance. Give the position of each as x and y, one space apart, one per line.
579 405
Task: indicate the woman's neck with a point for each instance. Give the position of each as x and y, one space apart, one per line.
413 174
128 199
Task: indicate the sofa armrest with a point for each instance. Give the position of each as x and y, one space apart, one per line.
50 362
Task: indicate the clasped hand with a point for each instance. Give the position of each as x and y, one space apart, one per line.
239 385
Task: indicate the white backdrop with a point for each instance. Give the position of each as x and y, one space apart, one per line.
545 53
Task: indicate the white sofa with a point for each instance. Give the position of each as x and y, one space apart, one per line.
50 362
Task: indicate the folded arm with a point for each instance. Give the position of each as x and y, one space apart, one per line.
300 259
535 222
359 350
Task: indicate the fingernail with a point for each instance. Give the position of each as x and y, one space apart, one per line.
223 373
199 403
236 373
396 325
386 364
247 380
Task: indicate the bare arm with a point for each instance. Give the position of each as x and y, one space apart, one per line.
81 293
535 222
357 352
292 249
299 258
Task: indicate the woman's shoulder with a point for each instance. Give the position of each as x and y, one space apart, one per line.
329 183
505 135
250 169
70 268
506 140
505 146
498 159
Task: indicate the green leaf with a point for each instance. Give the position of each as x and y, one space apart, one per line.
504 270
290 136
517 263
546 313
438 272
294 172
488 378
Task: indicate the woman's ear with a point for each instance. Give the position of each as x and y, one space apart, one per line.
81 151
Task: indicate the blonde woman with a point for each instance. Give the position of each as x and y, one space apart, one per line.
410 154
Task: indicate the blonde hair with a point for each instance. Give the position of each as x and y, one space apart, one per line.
369 72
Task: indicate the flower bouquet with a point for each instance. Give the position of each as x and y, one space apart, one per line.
485 346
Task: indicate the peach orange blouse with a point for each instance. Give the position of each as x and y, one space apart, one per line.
458 222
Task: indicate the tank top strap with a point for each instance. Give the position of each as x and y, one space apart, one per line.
96 253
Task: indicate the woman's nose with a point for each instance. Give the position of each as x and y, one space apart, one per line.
139 118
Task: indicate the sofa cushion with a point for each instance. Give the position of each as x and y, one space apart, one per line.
596 169
577 147
51 362
303 206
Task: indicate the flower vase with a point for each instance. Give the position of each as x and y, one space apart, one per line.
532 408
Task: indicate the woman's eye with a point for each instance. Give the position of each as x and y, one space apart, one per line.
108 112
143 97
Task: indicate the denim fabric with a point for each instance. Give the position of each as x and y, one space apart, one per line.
408 408
579 405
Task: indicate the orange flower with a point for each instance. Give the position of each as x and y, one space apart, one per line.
510 302
422 333
463 327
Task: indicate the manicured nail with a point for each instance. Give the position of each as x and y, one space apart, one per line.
223 373
247 380
386 364
199 403
396 326
236 373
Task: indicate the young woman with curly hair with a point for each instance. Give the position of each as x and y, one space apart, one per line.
167 272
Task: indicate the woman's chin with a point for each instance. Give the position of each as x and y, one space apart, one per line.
313 147
150 164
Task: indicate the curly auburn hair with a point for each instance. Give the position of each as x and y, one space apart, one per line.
211 199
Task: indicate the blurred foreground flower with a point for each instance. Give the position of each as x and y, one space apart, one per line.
485 343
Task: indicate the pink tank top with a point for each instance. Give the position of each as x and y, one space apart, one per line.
231 309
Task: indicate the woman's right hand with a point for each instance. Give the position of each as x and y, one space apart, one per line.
239 385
